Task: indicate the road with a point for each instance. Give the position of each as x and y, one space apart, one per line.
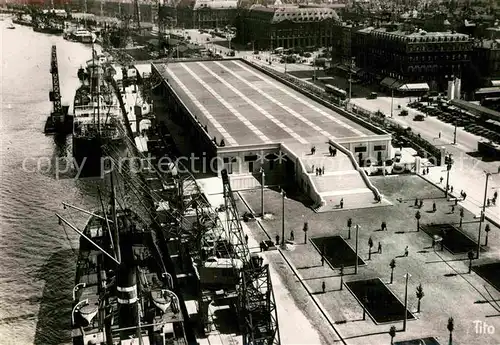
467 173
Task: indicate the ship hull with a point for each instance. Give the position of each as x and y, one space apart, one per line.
91 155
51 31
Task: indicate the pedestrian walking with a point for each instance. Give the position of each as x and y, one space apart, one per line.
465 195
427 170
292 237
452 208
322 260
277 239
421 203
456 201
246 239
441 179
379 248
323 170
330 149
406 251
416 202
342 203
439 135
317 171
383 226
434 206
451 189
313 150
323 286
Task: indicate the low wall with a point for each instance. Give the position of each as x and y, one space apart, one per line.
284 79
301 173
357 167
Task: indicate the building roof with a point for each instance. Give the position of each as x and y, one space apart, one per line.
298 14
215 4
245 106
417 36
489 44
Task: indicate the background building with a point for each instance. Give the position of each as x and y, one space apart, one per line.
285 26
412 55
198 14
487 58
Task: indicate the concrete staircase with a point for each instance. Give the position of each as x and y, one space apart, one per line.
340 180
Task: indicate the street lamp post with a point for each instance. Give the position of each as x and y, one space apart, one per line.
392 102
353 64
356 264
407 276
483 215
283 194
455 134
449 163
262 175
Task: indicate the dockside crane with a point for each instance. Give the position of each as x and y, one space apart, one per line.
59 122
137 14
257 307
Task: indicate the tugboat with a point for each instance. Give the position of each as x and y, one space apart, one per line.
123 293
97 128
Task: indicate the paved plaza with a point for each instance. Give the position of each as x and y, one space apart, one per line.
449 289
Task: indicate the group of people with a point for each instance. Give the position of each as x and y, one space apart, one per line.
332 150
492 201
319 171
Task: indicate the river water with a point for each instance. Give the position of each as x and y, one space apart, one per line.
37 262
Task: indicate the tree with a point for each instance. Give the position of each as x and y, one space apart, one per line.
349 225
305 229
471 257
420 294
451 327
392 333
370 245
461 216
487 230
417 217
392 265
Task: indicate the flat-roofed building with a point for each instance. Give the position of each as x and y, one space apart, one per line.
286 26
412 56
239 118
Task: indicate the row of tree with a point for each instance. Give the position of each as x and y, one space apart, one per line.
450 327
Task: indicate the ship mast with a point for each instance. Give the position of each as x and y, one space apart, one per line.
115 223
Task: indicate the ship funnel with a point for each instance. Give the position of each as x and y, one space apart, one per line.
127 296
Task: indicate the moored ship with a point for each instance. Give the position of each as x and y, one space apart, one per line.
123 292
80 35
97 129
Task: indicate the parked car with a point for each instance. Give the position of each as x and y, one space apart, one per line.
419 117
403 113
248 217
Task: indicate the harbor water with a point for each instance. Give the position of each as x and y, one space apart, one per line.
37 255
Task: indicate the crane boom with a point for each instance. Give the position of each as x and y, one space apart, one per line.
256 305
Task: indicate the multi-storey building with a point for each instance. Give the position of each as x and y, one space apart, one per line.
198 14
341 41
486 58
286 26
412 56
